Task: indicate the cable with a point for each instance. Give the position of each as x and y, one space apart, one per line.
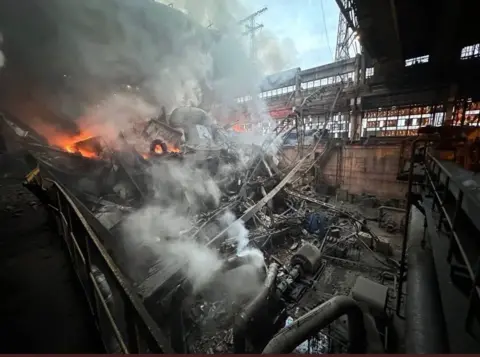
326 31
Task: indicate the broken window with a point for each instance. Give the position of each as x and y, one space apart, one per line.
369 72
472 51
417 60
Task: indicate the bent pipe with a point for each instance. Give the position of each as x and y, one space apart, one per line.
252 309
425 322
313 321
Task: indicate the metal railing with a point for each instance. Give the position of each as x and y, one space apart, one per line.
121 318
449 223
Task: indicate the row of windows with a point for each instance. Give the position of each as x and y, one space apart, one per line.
307 85
472 51
402 123
468 52
268 94
348 77
417 60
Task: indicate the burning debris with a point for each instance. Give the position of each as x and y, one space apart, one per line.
223 244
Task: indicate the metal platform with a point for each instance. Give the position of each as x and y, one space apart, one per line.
451 203
463 184
42 307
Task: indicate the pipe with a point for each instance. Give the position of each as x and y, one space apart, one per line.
388 208
313 321
251 310
425 323
238 261
425 140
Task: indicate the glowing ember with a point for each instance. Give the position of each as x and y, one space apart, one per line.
172 148
158 149
83 143
238 128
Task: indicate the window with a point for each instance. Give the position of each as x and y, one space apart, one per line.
472 51
417 60
369 72
316 83
323 82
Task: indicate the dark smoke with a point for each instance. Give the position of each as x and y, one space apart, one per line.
69 55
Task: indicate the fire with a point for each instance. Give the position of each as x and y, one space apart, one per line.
158 149
71 148
238 128
63 140
75 143
173 149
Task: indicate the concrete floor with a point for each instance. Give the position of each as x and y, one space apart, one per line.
42 307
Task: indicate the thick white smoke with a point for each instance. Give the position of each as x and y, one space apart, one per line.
155 234
132 57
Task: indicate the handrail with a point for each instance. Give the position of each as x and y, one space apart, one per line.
455 243
126 318
425 140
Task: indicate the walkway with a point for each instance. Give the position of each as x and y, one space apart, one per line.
42 307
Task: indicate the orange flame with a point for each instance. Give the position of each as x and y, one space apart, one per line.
170 148
63 140
68 142
238 128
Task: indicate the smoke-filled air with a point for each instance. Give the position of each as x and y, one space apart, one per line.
100 66
118 61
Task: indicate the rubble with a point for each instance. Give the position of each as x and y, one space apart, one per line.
320 248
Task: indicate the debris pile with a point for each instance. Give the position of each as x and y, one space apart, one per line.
222 243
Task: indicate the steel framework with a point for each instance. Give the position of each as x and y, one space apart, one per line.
251 28
347 35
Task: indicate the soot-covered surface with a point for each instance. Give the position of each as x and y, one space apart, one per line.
42 308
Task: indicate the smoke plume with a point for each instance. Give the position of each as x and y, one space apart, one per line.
274 54
155 234
107 63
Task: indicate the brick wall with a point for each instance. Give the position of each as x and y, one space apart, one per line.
365 169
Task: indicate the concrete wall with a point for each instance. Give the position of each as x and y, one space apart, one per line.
365 169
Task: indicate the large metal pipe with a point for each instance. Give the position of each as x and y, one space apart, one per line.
312 322
237 261
251 310
392 209
425 323
418 140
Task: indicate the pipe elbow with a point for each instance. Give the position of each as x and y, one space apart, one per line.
252 309
309 324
